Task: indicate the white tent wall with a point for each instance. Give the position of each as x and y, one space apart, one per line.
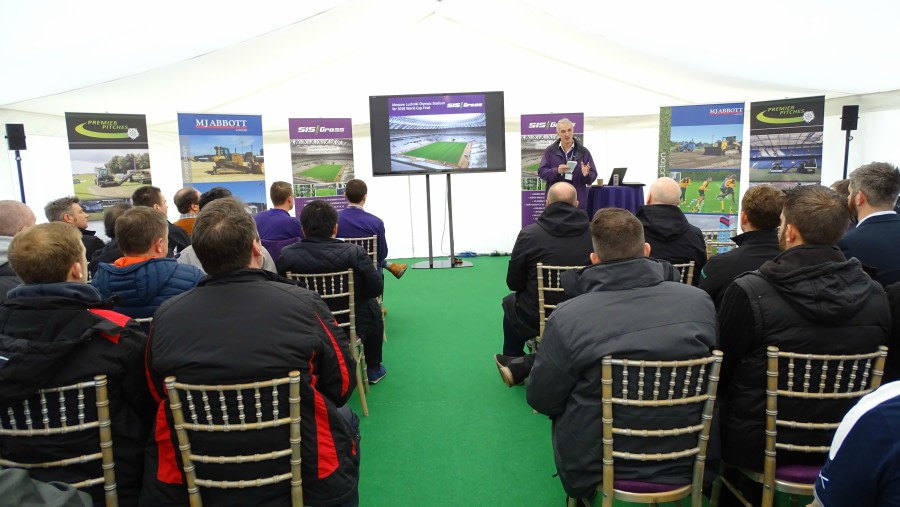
486 207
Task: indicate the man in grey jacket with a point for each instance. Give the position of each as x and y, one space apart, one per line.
629 308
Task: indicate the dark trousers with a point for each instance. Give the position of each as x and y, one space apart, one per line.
517 328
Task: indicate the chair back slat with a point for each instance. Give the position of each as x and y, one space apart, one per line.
686 383
231 400
339 295
823 382
550 292
369 244
53 421
686 271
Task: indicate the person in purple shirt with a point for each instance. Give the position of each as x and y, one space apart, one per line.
277 228
355 222
567 149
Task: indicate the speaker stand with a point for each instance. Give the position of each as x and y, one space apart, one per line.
21 183
847 152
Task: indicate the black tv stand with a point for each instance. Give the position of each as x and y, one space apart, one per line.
453 261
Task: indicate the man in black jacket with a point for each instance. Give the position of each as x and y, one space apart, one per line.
560 237
14 217
629 308
667 230
56 330
320 252
244 324
760 217
69 210
808 299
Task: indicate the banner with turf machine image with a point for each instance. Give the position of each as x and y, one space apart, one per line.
226 150
786 141
700 148
321 159
109 158
539 132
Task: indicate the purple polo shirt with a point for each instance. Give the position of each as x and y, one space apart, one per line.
277 224
354 222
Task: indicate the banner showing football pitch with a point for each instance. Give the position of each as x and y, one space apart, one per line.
321 160
224 150
539 132
786 141
110 159
700 148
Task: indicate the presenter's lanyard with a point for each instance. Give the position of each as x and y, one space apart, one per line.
568 155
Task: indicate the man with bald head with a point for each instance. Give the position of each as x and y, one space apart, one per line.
560 237
670 235
14 216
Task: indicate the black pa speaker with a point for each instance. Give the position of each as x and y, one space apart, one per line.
15 136
849 116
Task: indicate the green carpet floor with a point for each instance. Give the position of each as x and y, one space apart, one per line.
443 429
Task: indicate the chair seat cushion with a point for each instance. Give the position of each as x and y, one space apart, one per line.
647 487
802 474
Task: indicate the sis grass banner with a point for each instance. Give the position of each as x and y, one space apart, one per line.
539 132
321 159
786 141
226 151
700 148
109 158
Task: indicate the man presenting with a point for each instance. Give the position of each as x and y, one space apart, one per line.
628 309
554 165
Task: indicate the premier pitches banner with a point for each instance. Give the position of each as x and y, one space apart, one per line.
109 158
700 148
321 159
224 150
539 132
786 141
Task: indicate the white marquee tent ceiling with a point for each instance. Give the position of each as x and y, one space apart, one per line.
325 58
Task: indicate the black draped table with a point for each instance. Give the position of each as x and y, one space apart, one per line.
630 197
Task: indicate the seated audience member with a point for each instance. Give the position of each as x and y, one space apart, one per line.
842 187
189 257
760 217
629 310
187 201
277 228
111 251
153 197
55 331
876 239
68 210
245 324
892 366
320 252
143 277
863 466
14 217
670 235
808 299
561 236
355 222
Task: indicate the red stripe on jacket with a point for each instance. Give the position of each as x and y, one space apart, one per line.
345 375
114 317
167 470
327 453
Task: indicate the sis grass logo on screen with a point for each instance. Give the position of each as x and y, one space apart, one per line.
107 129
785 114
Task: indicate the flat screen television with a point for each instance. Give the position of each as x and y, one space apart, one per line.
437 133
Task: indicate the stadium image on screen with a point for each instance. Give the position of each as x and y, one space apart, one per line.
438 141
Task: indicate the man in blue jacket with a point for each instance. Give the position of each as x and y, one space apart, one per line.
144 277
876 239
554 164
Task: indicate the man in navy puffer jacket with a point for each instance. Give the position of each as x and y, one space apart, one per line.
144 277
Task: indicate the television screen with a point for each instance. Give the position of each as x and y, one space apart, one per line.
437 133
